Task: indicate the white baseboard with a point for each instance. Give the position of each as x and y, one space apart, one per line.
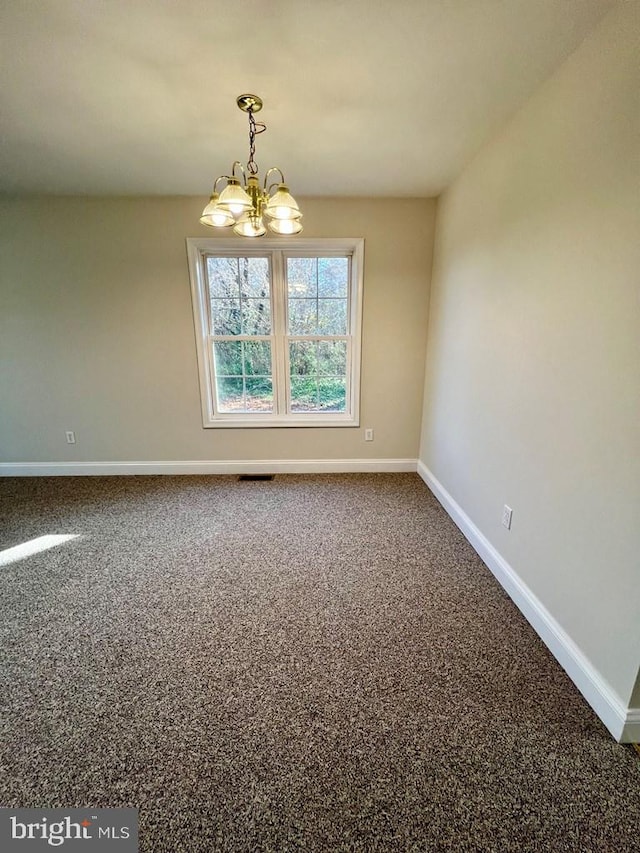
236 466
622 722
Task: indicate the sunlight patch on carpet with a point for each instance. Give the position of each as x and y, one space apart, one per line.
34 546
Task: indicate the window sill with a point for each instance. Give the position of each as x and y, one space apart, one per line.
258 421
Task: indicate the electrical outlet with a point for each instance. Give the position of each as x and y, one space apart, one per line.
507 512
71 436
368 435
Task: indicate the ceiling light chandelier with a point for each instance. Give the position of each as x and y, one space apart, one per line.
243 203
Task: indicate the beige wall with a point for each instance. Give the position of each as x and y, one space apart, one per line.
533 383
96 332
635 696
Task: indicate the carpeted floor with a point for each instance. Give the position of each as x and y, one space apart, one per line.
318 663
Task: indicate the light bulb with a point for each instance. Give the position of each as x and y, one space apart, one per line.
250 225
285 226
282 205
234 198
214 215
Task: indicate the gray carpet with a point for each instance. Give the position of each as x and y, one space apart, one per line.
318 663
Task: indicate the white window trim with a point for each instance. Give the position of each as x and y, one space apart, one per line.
197 248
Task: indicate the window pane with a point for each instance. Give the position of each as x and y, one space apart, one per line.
332 394
333 277
225 316
256 317
302 358
332 358
302 277
303 318
304 394
332 316
254 277
228 358
223 277
259 395
257 358
230 394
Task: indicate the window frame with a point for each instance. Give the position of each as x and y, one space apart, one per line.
277 251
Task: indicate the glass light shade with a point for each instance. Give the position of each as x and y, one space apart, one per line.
282 205
285 226
214 215
250 225
234 199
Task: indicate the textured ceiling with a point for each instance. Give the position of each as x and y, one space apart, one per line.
362 97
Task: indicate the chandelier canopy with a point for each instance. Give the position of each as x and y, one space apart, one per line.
243 203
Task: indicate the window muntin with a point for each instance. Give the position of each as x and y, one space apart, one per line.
278 331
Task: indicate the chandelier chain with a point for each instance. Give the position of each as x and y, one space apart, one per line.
255 127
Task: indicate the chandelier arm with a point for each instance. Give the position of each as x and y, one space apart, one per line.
215 183
266 178
241 167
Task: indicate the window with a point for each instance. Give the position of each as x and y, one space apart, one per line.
277 331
